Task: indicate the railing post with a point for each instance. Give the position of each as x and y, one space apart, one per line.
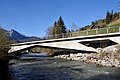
119 28
63 35
71 34
78 33
86 32
55 36
107 30
96 31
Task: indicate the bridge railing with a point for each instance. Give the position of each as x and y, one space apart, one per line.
86 32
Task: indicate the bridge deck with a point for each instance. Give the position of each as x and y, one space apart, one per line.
71 38
79 43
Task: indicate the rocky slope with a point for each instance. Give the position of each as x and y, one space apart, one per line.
18 37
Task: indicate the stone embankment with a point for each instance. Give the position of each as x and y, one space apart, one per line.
91 58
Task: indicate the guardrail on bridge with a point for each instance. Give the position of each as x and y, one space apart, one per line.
86 32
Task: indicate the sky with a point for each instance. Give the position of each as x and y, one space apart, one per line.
33 17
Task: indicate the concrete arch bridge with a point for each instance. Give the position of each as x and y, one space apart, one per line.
81 43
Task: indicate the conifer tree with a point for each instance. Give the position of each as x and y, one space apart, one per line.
55 30
61 26
108 18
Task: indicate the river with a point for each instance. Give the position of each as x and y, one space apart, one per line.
49 68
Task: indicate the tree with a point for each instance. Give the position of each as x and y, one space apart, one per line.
93 23
74 27
4 43
57 29
116 16
68 33
84 28
109 17
4 47
61 26
50 32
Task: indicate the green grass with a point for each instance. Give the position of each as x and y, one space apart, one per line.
74 34
102 31
106 30
83 33
115 25
113 29
92 32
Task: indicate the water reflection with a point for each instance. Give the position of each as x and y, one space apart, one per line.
33 56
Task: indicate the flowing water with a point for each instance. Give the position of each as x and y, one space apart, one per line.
49 68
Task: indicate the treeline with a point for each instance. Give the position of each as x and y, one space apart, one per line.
59 27
59 30
101 23
111 16
4 59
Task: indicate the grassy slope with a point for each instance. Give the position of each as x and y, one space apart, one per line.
115 23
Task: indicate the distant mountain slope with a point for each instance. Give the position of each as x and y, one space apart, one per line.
14 35
18 37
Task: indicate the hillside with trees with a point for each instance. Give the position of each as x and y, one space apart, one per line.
111 17
4 47
59 28
4 42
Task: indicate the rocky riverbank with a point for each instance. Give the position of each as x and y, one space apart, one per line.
92 58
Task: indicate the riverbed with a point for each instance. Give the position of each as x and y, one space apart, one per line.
50 68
